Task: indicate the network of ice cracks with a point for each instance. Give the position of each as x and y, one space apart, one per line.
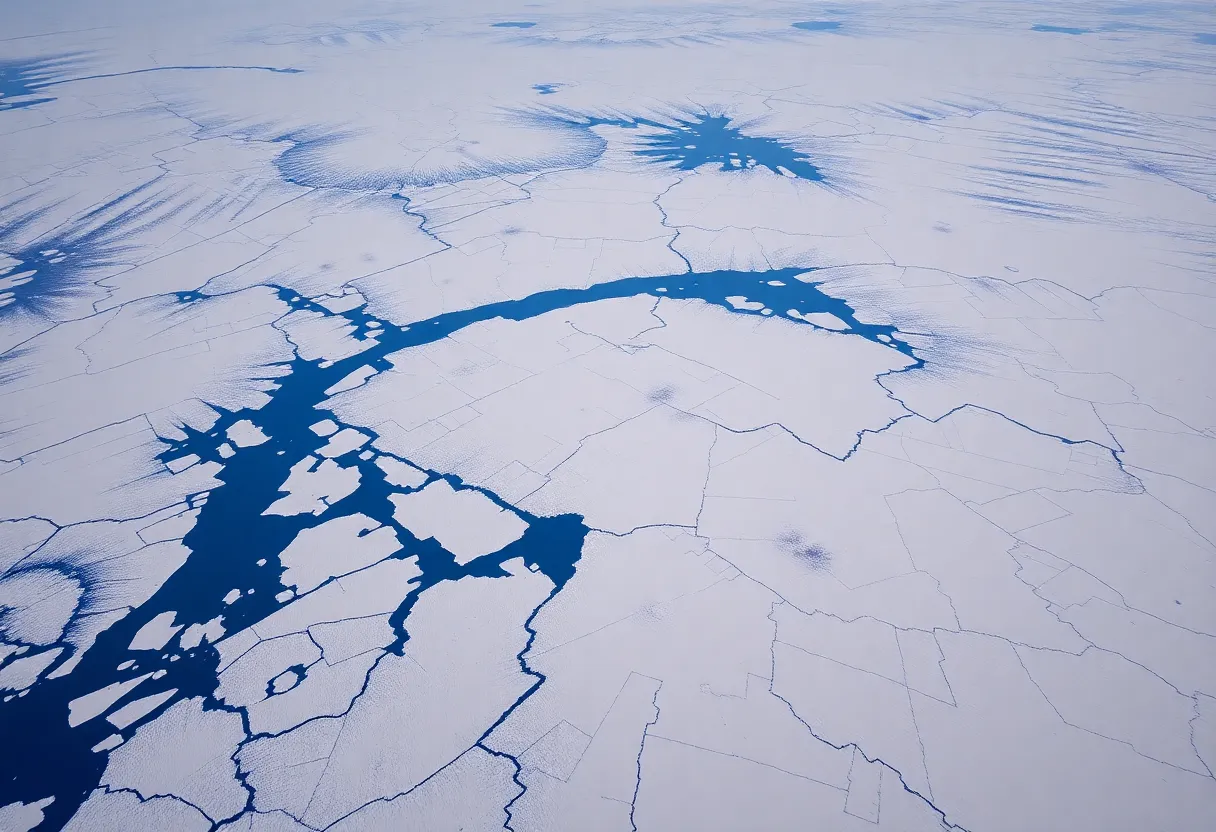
607 416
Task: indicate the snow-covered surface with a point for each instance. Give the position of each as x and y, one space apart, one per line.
607 416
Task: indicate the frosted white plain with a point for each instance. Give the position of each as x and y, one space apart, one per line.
607 416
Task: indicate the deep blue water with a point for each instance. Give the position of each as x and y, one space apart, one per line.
513 24
546 89
688 142
1061 30
233 545
818 25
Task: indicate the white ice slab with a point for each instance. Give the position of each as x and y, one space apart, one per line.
337 547
245 433
156 633
96 703
313 485
465 522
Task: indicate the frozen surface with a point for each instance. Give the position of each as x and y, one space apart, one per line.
607 416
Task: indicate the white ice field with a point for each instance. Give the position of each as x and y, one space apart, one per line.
608 416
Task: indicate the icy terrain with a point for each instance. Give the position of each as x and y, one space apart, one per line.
591 416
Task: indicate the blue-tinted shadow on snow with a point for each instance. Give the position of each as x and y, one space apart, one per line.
935 110
513 24
21 81
1206 39
1051 164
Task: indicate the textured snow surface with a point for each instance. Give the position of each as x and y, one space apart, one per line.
607 416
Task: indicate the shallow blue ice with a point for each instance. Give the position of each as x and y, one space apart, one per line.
818 25
1060 30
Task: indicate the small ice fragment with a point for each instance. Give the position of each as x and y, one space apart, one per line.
343 442
133 712
824 320
108 744
181 463
94 704
212 631
155 634
399 473
352 380
325 427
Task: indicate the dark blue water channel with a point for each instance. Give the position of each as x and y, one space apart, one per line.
234 545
